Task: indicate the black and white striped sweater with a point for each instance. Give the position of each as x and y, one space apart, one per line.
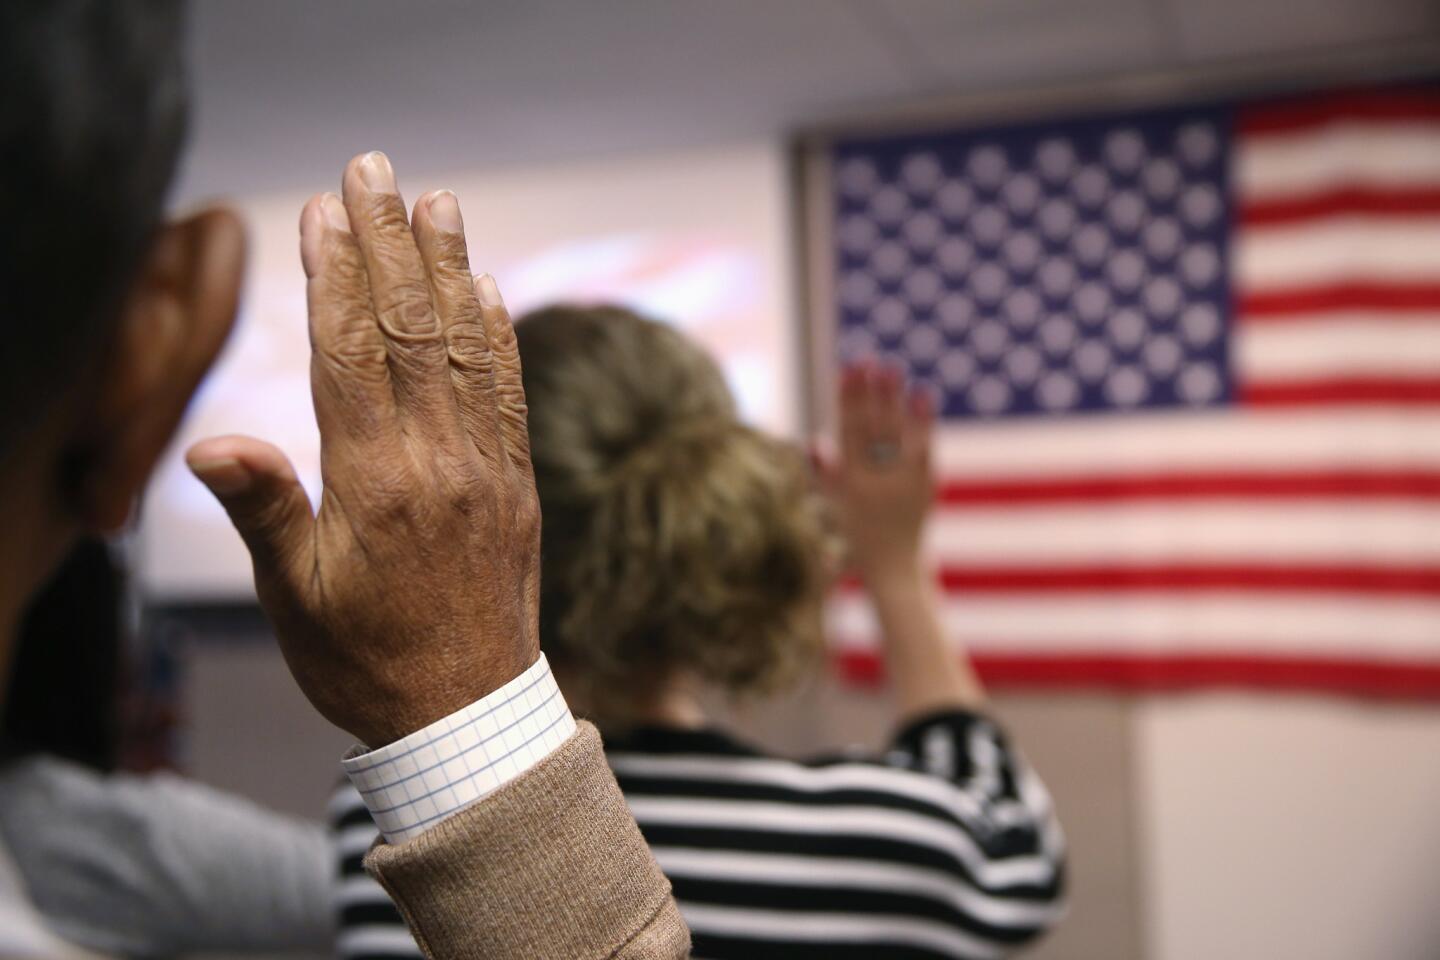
947 846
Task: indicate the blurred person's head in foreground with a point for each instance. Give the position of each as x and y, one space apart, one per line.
110 316
682 548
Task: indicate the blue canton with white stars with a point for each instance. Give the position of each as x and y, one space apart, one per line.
1042 269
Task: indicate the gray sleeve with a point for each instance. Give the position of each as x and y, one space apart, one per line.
157 865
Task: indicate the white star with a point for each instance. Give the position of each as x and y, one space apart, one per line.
921 173
989 339
890 260
1200 265
1200 324
858 290
1126 329
1125 211
1057 277
1057 335
1162 355
890 318
956 368
1057 219
1092 360
1198 144
889 205
988 226
1023 251
922 231
923 344
1055 159
857 343
1163 238
1161 178
1200 205
857 178
1090 186
1126 387
1163 296
923 287
987 166
1022 194
1057 391
956 312
988 282
1092 302
1022 308
955 199
1023 364
858 234
1125 150
1198 383
1126 270
1091 244
955 255
990 395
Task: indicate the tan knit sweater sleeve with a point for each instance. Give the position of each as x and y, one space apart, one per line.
549 866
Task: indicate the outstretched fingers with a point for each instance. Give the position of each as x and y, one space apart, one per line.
440 235
509 387
401 295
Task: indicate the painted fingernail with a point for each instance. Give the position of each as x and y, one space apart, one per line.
487 291
335 216
225 478
376 172
445 213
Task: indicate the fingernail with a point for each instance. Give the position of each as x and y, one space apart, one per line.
225 478
334 209
445 212
376 172
487 291
312 236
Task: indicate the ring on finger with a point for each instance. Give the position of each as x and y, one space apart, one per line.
882 453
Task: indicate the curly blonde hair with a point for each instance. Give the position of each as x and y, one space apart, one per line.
675 537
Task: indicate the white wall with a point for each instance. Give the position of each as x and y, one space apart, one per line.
1277 827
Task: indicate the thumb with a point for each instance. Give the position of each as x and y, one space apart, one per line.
257 486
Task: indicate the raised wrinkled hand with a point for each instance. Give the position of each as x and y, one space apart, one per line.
414 588
880 482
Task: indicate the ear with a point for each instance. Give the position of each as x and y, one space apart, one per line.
174 322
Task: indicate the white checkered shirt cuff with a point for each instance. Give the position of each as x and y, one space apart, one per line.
414 783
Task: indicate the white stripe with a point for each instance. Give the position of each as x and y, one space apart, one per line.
1192 622
909 784
1349 344
343 800
357 839
895 825
376 939
1336 250
1366 154
1314 531
803 871
878 929
360 889
1204 441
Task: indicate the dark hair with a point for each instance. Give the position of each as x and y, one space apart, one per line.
65 678
675 536
91 122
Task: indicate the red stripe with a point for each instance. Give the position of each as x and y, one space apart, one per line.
1416 105
1345 201
1405 485
1410 679
1241 578
1379 297
1347 391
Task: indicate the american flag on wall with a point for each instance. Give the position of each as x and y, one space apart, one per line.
1189 370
